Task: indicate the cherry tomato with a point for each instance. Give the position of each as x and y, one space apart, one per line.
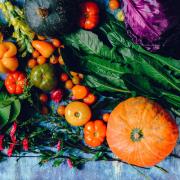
79 92
56 43
89 15
69 84
35 54
106 117
76 80
77 113
32 63
64 77
56 95
43 98
44 110
94 133
61 110
41 60
15 82
90 99
54 60
114 4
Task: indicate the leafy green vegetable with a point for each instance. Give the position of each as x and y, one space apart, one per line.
4 115
89 43
10 108
126 67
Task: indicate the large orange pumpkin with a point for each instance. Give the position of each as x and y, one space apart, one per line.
141 132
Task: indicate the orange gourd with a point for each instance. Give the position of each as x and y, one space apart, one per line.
8 61
141 132
46 49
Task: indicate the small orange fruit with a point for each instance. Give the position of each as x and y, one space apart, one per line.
64 77
56 43
90 99
61 110
41 60
76 80
79 92
35 54
114 4
32 63
69 84
106 117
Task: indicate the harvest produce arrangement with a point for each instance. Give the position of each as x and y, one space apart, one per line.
79 85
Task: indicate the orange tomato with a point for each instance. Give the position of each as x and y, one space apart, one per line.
61 110
64 77
76 80
41 60
114 4
46 49
35 54
43 98
77 113
79 92
56 43
94 133
32 63
106 117
90 99
69 84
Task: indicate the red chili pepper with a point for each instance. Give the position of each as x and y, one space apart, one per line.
13 131
70 164
1 142
25 144
59 145
10 150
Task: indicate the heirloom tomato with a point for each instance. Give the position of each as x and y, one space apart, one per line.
15 82
94 133
89 15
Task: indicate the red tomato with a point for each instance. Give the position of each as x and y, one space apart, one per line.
89 15
94 133
15 82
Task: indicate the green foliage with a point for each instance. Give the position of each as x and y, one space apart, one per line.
22 33
132 70
10 108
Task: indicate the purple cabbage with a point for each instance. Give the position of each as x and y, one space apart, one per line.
153 24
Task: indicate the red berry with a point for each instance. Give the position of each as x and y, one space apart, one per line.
57 95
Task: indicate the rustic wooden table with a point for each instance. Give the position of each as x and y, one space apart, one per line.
28 168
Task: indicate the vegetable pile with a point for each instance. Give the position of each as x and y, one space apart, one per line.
59 96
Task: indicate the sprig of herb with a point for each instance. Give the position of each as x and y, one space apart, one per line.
22 33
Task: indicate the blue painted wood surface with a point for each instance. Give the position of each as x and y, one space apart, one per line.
28 168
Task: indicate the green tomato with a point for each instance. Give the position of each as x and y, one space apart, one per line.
43 77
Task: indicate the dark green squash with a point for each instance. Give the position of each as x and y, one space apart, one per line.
51 17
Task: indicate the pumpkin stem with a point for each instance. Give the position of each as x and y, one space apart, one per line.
136 135
43 12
